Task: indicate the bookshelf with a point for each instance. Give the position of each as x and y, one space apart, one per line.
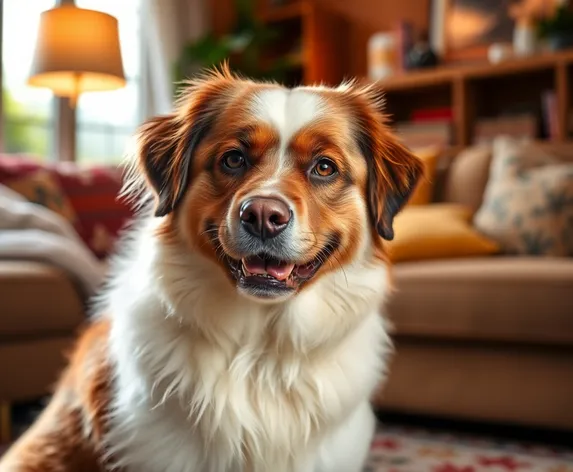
479 91
323 41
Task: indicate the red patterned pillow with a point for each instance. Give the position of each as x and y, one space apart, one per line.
93 193
36 183
90 194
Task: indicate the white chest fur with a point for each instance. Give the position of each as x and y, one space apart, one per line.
208 381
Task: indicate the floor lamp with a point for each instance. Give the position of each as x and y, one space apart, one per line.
77 51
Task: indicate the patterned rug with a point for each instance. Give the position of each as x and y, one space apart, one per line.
400 449
404 449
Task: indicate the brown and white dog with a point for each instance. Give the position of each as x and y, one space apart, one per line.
240 330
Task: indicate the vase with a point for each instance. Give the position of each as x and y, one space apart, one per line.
524 38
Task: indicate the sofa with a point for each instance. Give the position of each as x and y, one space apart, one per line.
40 312
41 306
481 338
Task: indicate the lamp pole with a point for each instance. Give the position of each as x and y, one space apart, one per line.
1 83
65 123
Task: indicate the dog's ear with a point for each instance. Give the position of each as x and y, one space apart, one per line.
393 171
165 154
165 145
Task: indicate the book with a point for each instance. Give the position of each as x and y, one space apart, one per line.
417 135
517 126
550 114
404 42
432 114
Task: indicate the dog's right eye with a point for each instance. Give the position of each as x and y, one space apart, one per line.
233 161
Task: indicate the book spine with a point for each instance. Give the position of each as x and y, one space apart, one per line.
433 114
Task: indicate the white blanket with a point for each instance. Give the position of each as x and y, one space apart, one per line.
32 232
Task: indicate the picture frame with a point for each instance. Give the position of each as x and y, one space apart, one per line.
463 30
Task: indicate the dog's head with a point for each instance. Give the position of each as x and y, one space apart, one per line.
276 186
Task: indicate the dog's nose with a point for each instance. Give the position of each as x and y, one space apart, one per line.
265 217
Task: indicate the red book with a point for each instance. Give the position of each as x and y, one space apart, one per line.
433 114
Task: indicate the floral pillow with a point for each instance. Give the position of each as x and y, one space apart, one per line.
528 201
37 184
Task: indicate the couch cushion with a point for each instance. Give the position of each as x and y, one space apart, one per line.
37 184
496 298
37 299
466 177
93 192
30 368
437 231
424 191
528 201
87 195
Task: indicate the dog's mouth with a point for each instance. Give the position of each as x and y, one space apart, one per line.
265 276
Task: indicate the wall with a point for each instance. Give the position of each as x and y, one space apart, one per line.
222 14
368 16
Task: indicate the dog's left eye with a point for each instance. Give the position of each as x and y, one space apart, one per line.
324 168
234 160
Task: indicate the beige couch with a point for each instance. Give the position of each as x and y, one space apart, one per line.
483 338
488 338
40 311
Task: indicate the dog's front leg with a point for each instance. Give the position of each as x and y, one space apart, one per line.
67 437
346 450
57 442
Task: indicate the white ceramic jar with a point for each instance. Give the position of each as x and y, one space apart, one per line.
381 55
524 38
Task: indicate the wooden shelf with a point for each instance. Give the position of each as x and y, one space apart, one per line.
475 91
417 80
445 75
333 49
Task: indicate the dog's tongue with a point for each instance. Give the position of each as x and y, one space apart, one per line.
280 270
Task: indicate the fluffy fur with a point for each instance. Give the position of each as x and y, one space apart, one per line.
181 371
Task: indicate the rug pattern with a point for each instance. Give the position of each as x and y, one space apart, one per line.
399 449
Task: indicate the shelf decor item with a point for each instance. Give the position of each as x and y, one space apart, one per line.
557 29
421 54
524 37
499 52
382 50
463 30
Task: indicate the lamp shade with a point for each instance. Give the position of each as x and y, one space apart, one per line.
77 51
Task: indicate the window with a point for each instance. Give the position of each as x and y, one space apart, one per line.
106 120
28 112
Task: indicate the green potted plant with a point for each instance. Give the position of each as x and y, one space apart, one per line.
244 48
557 29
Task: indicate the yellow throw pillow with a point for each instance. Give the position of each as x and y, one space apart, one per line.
425 189
437 231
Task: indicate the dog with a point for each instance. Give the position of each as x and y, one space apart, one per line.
241 329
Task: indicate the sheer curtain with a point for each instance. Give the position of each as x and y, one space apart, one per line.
167 25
